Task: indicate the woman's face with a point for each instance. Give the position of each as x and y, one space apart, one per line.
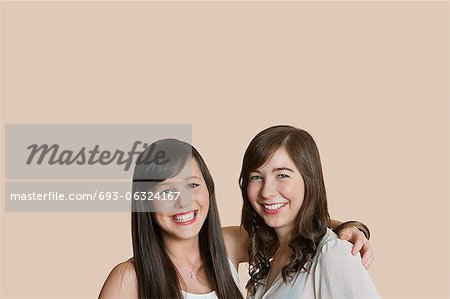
276 190
185 216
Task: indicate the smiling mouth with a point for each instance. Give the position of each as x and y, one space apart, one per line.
185 218
273 208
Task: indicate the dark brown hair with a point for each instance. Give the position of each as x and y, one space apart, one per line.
157 277
312 219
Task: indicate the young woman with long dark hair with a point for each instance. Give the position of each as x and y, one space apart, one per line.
292 252
178 253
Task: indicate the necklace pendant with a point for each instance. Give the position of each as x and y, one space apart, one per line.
192 275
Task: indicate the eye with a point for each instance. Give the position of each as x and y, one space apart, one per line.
255 177
166 191
283 176
193 185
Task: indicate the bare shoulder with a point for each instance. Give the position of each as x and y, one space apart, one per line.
121 282
237 243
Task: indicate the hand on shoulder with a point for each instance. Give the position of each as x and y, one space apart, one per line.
335 257
341 273
360 244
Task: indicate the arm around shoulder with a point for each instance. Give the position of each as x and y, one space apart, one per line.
237 243
121 283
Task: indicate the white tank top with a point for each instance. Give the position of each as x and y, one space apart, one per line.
212 295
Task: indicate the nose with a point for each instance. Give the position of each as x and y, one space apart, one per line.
268 190
184 200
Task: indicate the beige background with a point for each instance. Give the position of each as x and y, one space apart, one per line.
368 80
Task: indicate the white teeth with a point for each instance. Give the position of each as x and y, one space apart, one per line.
184 217
273 206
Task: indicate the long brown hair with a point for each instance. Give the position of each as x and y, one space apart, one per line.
157 277
312 219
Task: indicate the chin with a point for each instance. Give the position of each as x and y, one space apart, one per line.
184 233
274 222
187 236
188 232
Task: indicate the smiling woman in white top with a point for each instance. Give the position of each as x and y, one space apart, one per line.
292 252
178 247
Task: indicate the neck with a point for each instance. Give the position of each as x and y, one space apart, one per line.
284 237
184 251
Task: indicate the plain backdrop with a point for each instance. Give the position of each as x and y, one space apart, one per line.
369 81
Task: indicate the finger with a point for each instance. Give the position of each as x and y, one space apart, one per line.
368 262
345 234
357 246
367 256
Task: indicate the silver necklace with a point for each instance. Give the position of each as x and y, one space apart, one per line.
191 272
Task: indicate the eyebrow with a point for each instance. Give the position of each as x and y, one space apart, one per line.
277 169
162 180
282 168
148 180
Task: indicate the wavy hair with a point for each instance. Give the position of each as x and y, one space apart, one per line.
312 219
157 277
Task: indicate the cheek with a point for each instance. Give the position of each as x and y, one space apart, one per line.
159 206
159 219
252 192
294 193
202 198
